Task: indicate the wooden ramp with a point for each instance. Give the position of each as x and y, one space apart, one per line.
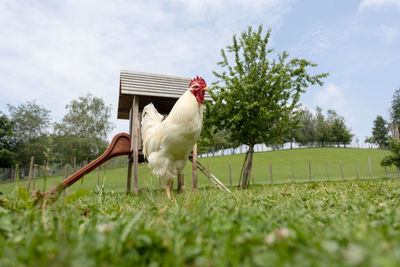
120 145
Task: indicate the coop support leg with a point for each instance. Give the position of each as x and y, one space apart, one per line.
129 177
194 166
180 182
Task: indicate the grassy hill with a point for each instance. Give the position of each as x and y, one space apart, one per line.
115 179
281 164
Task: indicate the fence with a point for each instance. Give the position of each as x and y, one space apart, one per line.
301 171
265 170
53 169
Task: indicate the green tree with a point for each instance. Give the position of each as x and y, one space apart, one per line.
340 134
380 133
214 139
84 128
295 120
369 140
31 125
30 121
255 97
394 158
322 128
7 142
395 109
68 147
306 134
395 114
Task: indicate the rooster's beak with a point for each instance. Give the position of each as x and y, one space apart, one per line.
205 89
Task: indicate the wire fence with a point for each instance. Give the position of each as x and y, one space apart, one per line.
263 171
52 169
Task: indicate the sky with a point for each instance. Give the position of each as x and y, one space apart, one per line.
56 51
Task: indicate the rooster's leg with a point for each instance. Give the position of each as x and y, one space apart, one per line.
169 187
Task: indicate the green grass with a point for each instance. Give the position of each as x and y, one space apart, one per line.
281 168
348 223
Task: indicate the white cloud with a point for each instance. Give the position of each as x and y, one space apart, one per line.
390 33
375 4
333 97
56 51
353 43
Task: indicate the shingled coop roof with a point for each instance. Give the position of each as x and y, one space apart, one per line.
161 90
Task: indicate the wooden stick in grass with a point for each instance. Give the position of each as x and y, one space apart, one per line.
30 173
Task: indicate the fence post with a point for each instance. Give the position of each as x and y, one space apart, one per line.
326 170
291 166
66 171
12 173
230 174
208 169
270 172
309 169
44 175
341 170
44 167
33 177
30 173
357 176
370 167
98 176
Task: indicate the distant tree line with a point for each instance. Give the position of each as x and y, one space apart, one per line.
383 131
319 130
307 129
28 131
385 134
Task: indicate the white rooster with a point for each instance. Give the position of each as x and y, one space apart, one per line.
167 143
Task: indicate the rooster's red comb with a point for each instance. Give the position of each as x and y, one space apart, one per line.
198 80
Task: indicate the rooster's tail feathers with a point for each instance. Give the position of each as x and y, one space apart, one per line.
151 121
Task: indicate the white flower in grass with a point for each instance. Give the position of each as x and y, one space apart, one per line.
105 227
282 233
382 205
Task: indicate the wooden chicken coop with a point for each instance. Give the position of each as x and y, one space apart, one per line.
136 90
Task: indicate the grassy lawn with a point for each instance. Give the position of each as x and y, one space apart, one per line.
115 179
348 223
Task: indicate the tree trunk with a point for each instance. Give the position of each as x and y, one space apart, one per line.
246 168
